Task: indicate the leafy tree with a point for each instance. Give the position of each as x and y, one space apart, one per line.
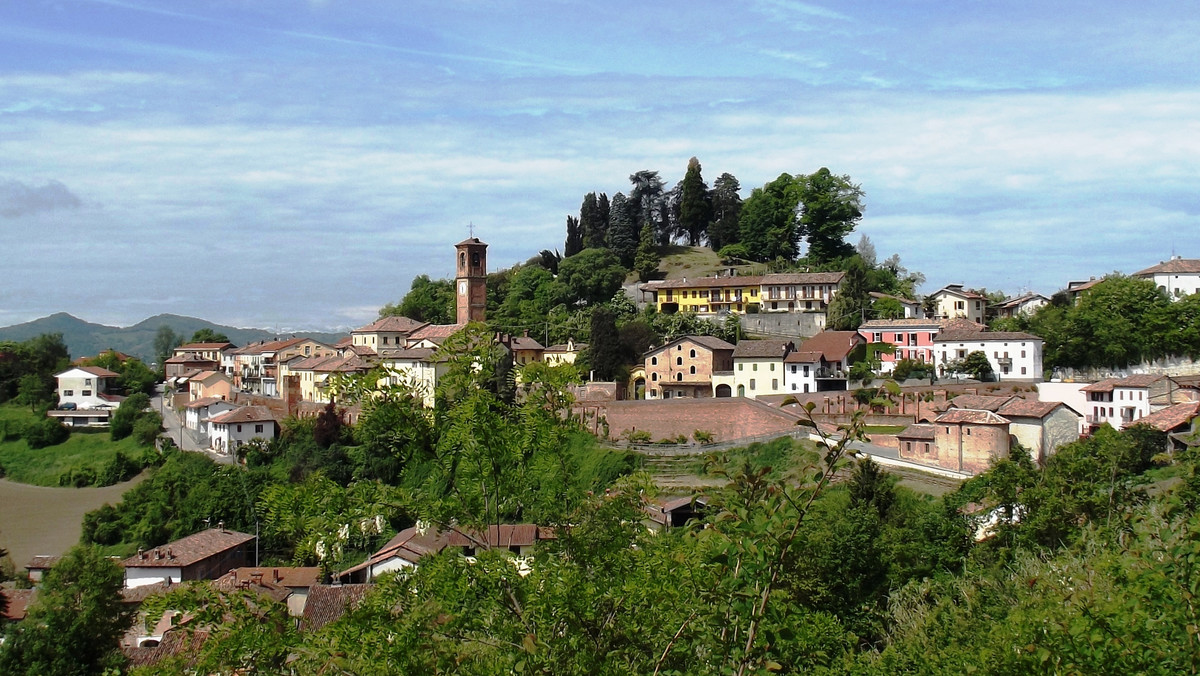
165 342
208 335
646 203
123 419
975 364
532 294
695 210
75 624
866 251
887 308
726 212
768 226
872 487
733 254
830 208
574 242
592 276
327 430
604 350
647 259
427 300
849 307
34 390
623 230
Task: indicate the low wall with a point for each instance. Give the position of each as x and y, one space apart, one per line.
783 324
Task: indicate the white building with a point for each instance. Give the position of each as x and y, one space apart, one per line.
1021 305
1177 277
758 367
230 430
83 398
1120 402
1013 355
953 302
800 370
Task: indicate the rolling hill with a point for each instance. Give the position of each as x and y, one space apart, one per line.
85 338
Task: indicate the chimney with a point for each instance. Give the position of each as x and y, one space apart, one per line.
275 575
221 526
170 554
157 554
141 554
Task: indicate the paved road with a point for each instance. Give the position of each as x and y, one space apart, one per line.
184 438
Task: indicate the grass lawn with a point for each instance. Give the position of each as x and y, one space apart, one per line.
692 261
43 466
884 429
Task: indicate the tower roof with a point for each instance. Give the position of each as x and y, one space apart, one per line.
471 241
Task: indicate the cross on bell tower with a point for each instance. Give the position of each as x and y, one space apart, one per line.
471 279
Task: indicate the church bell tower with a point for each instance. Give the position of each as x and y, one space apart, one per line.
471 280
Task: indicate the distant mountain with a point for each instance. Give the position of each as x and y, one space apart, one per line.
85 339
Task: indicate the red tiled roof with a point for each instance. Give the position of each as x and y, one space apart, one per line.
17 602
802 357
284 576
752 349
920 431
435 332
98 371
834 345
705 282
1107 385
471 240
979 402
1173 266
913 323
391 324
408 545
327 603
42 562
204 402
503 535
803 278
245 414
957 290
1030 408
978 336
956 416
1171 417
188 550
195 347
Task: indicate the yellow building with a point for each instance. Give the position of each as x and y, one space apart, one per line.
706 295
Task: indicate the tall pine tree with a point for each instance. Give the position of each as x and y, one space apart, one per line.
622 231
592 226
647 259
726 210
574 237
695 211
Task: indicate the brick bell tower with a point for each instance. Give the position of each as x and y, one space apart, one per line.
470 280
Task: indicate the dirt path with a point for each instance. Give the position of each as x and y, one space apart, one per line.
38 520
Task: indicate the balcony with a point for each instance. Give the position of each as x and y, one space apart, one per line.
827 373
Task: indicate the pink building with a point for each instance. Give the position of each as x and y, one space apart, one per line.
911 338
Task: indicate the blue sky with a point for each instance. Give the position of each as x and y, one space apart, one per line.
295 164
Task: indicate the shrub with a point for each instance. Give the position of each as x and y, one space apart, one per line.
46 432
78 477
123 419
734 253
147 427
637 436
705 437
120 468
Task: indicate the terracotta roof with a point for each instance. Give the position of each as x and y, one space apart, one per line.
42 562
977 336
205 402
1173 266
913 323
188 550
1021 300
979 402
898 299
562 347
284 576
1171 417
961 324
414 353
503 535
263 586
660 509
17 602
327 603
803 278
143 592
920 431
205 376
175 642
391 324
751 349
98 372
956 416
525 343
704 341
245 414
834 345
1107 385
203 346
435 332
802 357
471 240
1031 408
272 346
705 282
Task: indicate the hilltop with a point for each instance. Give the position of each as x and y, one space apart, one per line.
84 338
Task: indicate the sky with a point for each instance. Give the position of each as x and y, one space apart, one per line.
293 164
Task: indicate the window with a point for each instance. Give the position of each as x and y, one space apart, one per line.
239 428
86 393
693 371
774 383
1022 370
772 366
968 431
806 369
1022 353
754 367
679 361
751 384
654 361
806 387
679 377
68 393
793 368
741 366
878 337
693 354
307 350
258 429
654 377
679 348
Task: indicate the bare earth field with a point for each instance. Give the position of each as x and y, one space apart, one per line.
39 520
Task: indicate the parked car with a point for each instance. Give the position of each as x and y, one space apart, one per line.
67 406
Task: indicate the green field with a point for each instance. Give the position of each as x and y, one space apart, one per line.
43 466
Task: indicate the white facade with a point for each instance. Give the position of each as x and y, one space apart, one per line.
758 376
225 437
416 368
196 417
138 577
1013 356
83 388
1177 277
952 302
800 373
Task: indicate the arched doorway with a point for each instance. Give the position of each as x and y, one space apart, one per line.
741 390
724 391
